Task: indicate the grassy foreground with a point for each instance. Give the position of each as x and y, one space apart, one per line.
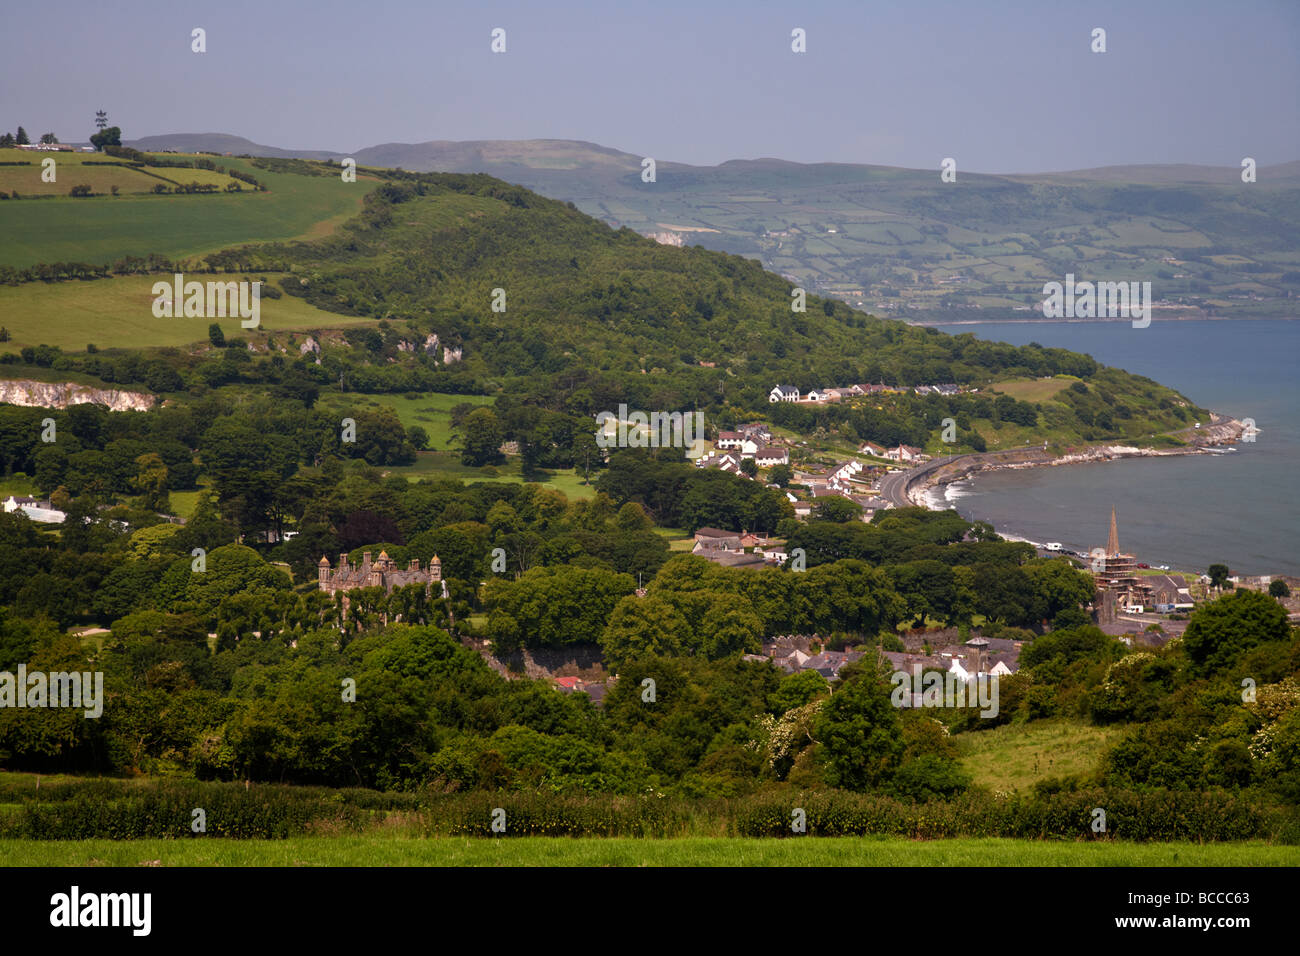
686 851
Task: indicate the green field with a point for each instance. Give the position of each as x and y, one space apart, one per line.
592 851
446 464
432 412
1015 756
118 313
92 169
104 229
1033 390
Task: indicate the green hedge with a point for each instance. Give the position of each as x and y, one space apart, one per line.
135 809
1206 816
539 814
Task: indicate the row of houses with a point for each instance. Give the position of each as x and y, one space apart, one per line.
791 393
997 657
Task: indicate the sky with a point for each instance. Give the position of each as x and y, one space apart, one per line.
1001 87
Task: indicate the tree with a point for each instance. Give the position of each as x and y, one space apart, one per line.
4 334
749 467
838 510
644 627
481 439
780 475
1219 632
6 140
108 137
20 138
216 337
1218 575
861 733
418 437
1278 589
150 481
49 138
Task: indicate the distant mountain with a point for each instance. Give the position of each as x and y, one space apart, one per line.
221 143
900 241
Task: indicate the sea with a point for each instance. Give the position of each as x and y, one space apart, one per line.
1238 508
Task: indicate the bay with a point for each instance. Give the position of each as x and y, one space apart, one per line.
1189 511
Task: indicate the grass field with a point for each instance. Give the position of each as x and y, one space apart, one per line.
431 411
1015 756
99 230
1033 390
686 851
446 464
118 313
72 169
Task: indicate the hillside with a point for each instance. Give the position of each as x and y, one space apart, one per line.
586 318
901 242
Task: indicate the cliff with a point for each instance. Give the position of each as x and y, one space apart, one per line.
63 394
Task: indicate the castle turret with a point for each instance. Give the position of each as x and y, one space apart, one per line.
435 569
323 572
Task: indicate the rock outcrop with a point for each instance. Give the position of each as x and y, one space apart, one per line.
62 394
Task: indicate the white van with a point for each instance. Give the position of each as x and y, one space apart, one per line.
1052 546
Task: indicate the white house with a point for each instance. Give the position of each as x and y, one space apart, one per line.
769 455
728 440
35 510
903 453
783 393
872 449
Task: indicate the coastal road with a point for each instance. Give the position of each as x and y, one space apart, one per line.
893 487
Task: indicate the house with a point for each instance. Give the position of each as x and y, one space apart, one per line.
727 462
769 455
716 538
818 395
872 449
755 430
735 559
748 448
903 453
34 509
728 440
783 393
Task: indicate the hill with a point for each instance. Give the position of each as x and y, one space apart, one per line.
900 242
221 143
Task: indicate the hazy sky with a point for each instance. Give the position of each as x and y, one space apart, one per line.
1000 86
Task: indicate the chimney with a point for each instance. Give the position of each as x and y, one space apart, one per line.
343 560
365 559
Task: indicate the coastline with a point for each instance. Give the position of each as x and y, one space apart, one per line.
917 488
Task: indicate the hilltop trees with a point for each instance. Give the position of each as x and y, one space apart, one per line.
108 137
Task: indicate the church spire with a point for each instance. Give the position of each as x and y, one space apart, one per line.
1112 543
